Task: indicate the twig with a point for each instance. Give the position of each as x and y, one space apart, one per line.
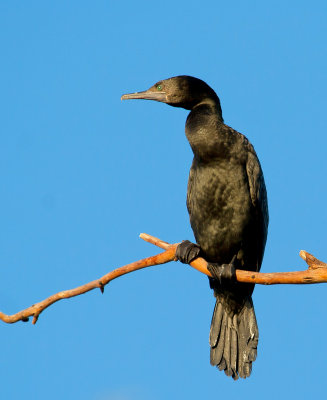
36 309
316 273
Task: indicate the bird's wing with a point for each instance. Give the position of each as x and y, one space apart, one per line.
189 189
259 200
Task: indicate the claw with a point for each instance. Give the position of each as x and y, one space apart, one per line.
187 251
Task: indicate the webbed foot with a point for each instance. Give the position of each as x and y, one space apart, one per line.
223 272
187 251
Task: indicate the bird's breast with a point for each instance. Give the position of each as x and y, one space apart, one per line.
220 208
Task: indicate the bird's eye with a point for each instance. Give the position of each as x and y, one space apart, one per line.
159 87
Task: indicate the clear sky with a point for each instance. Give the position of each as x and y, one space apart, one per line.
82 174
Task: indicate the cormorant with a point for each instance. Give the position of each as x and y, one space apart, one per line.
227 204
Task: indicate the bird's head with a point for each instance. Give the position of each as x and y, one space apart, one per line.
179 91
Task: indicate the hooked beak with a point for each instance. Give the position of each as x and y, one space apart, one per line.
146 95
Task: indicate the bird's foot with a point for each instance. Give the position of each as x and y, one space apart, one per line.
223 273
187 251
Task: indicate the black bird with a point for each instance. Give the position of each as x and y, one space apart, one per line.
227 204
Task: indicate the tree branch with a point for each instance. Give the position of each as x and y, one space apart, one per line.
316 273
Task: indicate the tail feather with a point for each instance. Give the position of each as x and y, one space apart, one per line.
227 349
234 338
249 335
217 350
233 355
216 324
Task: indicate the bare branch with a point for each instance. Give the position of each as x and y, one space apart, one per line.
316 273
36 309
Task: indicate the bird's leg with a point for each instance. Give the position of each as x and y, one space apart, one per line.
223 272
187 251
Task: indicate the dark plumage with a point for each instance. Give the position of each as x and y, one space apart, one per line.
227 204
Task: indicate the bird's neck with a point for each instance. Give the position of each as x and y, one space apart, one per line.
204 129
210 105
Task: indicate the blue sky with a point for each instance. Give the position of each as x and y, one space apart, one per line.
82 174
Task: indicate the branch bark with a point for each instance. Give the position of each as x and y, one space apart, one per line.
316 273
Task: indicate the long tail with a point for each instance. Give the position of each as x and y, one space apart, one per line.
233 338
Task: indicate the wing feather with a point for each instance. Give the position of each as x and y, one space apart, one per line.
259 200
